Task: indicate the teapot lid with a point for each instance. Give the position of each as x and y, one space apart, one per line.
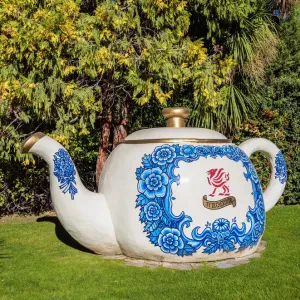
175 131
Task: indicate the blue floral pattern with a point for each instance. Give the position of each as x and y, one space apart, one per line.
221 225
163 155
65 172
169 240
280 167
153 211
165 230
153 183
188 151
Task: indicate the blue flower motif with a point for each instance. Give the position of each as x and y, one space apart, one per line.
153 183
188 151
153 211
280 167
169 240
163 155
221 225
64 171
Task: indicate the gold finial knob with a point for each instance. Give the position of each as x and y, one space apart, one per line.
176 116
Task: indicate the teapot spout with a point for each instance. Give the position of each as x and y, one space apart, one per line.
85 215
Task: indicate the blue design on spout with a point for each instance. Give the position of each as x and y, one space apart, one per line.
166 231
65 172
280 167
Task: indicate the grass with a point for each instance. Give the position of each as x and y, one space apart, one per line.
36 264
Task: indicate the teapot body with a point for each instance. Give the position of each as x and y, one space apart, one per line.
172 194
183 201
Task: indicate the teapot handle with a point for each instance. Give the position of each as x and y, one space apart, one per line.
278 168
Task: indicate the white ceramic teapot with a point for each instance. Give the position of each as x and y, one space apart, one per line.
172 194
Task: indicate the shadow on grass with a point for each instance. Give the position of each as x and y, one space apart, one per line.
62 234
3 255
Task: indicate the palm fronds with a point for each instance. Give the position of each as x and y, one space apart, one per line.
257 35
253 46
227 117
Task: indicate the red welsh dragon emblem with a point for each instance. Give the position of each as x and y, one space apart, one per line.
218 179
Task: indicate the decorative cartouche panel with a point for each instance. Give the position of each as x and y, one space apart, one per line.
166 231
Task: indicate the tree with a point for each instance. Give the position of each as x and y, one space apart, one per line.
73 68
278 116
245 31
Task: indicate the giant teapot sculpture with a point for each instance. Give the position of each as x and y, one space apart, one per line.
172 194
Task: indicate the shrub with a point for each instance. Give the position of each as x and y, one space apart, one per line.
66 65
278 117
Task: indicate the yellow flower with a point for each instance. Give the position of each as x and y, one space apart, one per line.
197 52
69 70
84 131
10 50
10 9
69 90
160 96
102 54
143 100
180 33
181 6
161 4
183 66
26 162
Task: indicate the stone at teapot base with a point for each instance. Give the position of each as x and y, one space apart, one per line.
222 264
219 256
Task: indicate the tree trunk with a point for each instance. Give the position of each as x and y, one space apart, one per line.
120 133
113 128
104 144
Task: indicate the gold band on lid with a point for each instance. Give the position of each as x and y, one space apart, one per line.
30 141
176 116
178 140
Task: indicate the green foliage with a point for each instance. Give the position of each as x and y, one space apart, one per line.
65 63
244 31
226 15
278 117
62 62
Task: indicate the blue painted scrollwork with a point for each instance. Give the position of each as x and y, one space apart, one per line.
165 230
280 167
65 172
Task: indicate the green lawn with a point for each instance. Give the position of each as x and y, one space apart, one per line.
36 264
